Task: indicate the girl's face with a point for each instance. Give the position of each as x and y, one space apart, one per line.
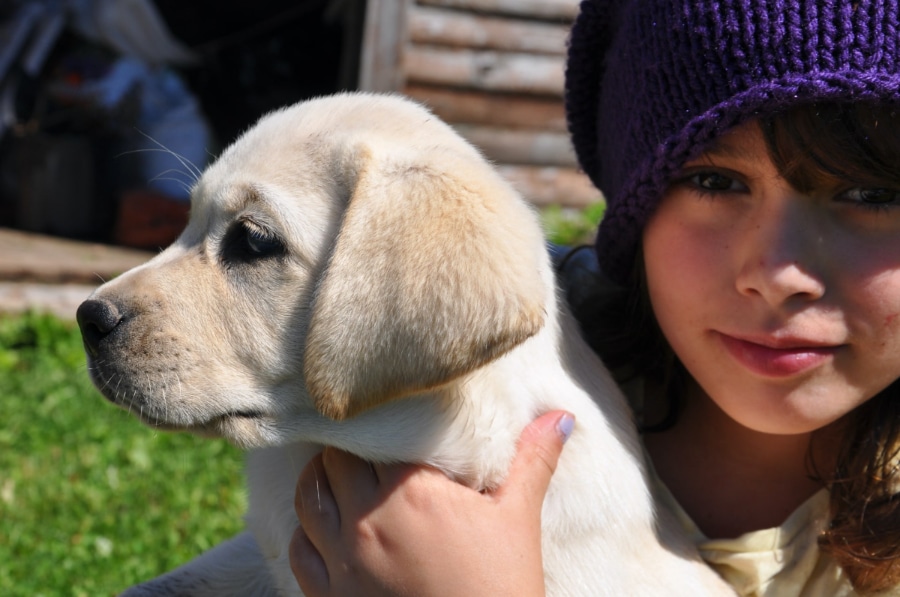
783 306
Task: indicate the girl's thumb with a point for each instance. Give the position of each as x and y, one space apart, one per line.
540 445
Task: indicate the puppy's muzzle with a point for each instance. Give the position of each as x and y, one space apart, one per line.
97 318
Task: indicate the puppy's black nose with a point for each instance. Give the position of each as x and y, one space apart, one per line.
96 318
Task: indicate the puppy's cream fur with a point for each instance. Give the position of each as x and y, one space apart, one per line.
354 274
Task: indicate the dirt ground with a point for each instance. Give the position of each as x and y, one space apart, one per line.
47 273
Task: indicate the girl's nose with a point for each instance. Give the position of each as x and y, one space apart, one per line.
782 253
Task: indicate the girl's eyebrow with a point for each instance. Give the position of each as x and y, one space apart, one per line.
725 147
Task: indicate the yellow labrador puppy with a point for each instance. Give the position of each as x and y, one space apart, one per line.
354 274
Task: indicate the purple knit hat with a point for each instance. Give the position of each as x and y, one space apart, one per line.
650 82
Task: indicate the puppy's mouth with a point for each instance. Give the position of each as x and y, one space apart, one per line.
218 426
179 416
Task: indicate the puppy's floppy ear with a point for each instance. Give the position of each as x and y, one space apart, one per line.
433 274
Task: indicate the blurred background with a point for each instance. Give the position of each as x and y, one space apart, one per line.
109 109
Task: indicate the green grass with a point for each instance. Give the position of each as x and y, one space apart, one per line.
571 227
91 501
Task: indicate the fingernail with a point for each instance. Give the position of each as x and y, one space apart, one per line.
564 426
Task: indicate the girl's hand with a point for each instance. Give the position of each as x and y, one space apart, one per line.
409 530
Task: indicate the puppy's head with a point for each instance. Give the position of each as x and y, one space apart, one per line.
344 252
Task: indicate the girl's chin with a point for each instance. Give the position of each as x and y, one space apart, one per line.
795 413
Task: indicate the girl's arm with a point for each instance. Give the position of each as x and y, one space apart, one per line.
409 530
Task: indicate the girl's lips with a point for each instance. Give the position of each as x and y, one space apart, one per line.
776 362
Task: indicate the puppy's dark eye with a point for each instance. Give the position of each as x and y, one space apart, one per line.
248 241
261 243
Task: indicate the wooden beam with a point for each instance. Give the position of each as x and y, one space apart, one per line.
384 36
552 186
503 110
520 147
564 10
454 28
487 70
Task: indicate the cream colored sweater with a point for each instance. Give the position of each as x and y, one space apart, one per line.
780 562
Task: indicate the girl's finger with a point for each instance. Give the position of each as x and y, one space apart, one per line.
316 507
308 566
352 481
537 455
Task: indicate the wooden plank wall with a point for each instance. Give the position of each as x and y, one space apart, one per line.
494 70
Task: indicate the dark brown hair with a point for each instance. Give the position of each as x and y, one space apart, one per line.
810 145
858 143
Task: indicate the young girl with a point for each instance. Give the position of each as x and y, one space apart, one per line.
749 153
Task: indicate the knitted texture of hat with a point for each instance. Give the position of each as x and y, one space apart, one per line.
650 82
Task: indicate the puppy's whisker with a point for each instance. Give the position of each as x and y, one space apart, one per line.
161 175
163 393
188 171
180 388
318 492
294 464
184 185
183 160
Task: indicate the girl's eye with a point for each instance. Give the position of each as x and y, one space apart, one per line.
873 198
715 181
